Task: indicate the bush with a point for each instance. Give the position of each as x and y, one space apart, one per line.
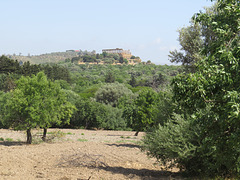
184 142
173 144
112 119
92 114
110 93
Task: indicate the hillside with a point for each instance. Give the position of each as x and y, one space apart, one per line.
53 57
79 57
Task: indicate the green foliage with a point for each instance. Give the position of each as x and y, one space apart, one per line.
36 102
165 107
174 143
92 114
110 78
110 93
139 112
112 118
133 81
8 65
146 104
192 39
56 72
191 42
205 139
88 58
9 139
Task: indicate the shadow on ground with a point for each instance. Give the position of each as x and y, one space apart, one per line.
12 143
144 174
125 145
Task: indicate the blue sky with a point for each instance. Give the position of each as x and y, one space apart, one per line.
147 27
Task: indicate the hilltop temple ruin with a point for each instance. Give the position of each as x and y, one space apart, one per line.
124 53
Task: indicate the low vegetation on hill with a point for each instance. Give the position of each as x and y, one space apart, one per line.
77 57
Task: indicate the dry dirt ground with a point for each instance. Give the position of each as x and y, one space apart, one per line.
77 155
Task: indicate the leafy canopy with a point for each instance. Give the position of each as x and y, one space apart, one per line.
216 86
36 102
204 139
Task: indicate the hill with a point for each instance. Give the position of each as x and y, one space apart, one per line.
53 57
81 57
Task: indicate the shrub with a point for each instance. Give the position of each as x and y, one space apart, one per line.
110 93
93 114
172 144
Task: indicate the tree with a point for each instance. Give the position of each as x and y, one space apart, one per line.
8 65
146 103
133 57
104 54
110 93
156 81
214 88
191 42
192 39
109 78
92 114
125 60
140 111
121 60
36 102
89 58
133 81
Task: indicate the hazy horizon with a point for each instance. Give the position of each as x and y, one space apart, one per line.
147 28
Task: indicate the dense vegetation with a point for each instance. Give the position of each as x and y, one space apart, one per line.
77 56
190 112
202 136
99 96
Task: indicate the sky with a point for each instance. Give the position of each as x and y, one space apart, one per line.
148 28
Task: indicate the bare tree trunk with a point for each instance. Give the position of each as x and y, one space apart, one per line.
29 136
136 134
86 125
44 134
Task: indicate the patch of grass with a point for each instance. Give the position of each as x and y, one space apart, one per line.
56 134
1 139
69 133
51 132
9 139
107 141
82 140
37 141
82 134
128 137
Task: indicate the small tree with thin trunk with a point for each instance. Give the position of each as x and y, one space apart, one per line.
146 104
36 102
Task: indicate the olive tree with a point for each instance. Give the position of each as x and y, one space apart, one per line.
111 93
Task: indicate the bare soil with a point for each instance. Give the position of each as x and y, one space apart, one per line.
77 155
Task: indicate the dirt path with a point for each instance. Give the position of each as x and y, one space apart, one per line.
79 154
